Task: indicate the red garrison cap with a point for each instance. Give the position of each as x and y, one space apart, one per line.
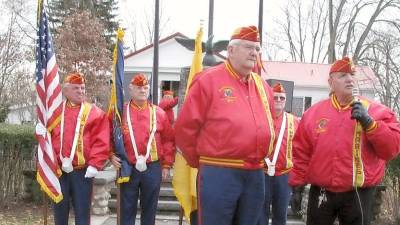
249 33
343 65
139 80
74 78
168 92
278 88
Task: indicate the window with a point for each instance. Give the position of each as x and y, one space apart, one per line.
300 104
297 106
307 103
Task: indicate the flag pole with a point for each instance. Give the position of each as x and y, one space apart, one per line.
115 110
210 17
39 10
44 208
47 174
118 199
260 19
156 52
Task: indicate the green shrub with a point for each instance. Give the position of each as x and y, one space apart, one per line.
17 151
19 137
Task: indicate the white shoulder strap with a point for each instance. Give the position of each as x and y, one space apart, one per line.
278 142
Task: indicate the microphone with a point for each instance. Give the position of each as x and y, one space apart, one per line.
356 94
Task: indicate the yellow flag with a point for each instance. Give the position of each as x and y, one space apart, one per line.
184 179
197 59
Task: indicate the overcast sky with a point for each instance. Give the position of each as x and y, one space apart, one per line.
185 15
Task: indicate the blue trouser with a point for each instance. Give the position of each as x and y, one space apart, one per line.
148 184
78 189
229 196
277 195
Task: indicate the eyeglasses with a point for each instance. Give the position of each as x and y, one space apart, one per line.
251 47
279 98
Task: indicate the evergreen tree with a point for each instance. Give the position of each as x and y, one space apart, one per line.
104 10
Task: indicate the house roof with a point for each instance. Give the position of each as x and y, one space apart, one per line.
163 40
177 34
302 74
312 74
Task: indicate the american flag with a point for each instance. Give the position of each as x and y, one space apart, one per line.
49 105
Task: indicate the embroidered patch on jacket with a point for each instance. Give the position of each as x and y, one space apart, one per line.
322 125
125 128
227 94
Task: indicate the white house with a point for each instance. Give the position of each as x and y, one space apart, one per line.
309 80
172 58
21 114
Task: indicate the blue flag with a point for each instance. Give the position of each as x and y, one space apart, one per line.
116 108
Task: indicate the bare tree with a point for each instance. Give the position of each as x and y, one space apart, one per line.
133 32
347 30
81 47
13 60
147 26
333 29
304 26
383 56
17 57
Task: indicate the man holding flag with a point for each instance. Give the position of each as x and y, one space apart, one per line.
149 146
73 135
225 129
49 100
81 142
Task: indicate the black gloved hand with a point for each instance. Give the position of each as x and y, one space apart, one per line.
361 115
297 197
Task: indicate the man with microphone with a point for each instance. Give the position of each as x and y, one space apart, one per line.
341 148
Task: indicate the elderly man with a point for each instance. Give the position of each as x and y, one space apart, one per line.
149 145
279 163
167 103
225 129
81 143
341 147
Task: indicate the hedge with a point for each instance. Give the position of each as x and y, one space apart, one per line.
17 153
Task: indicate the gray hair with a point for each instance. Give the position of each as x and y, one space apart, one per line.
234 42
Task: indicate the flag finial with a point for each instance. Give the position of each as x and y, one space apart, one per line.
120 33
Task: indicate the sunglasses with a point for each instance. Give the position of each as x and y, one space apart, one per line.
279 98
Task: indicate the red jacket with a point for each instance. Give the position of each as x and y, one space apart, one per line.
223 122
167 105
96 138
164 148
323 146
284 162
